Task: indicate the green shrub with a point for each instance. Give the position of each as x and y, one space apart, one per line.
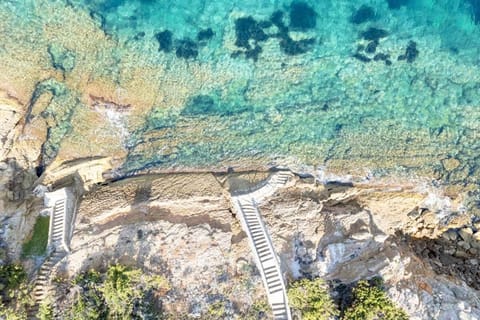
312 299
258 310
121 293
11 276
14 292
45 312
37 244
371 302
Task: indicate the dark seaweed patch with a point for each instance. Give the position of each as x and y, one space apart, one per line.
292 47
253 53
396 4
277 19
363 14
165 40
361 57
246 29
475 7
205 34
374 34
411 52
371 47
302 16
381 56
209 106
265 24
186 49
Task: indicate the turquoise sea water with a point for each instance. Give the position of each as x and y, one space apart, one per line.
381 83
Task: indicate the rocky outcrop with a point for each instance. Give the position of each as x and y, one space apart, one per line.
181 226
344 233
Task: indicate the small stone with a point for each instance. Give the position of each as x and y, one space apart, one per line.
476 236
461 254
476 224
466 234
464 244
449 235
473 262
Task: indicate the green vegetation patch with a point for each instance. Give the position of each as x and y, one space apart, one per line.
312 299
371 302
37 244
14 292
367 301
120 293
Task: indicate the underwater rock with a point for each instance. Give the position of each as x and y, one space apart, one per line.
396 4
363 14
62 59
372 47
374 34
205 34
302 16
165 40
411 52
292 47
361 57
186 49
246 29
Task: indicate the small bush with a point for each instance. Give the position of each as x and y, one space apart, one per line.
371 302
312 299
11 276
46 311
14 292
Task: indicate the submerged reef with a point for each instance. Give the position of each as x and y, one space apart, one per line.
248 30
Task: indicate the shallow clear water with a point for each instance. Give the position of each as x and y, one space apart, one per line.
376 84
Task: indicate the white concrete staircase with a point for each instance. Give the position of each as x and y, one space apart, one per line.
58 235
58 225
261 244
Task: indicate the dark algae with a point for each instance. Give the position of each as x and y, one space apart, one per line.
302 16
397 4
165 40
411 52
248 29
362 15
374 34
186 49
